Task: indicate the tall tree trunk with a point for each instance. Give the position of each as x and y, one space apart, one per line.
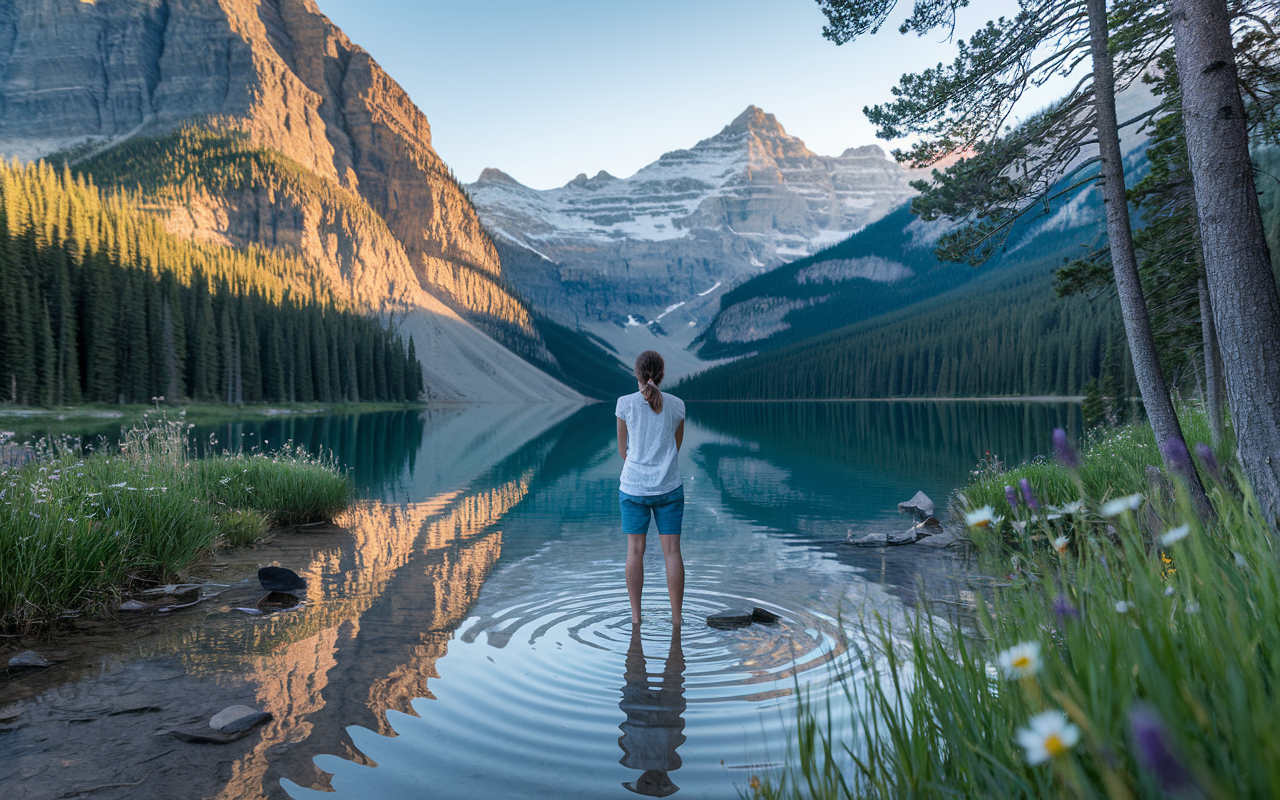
1133 305
1212 366
1242 289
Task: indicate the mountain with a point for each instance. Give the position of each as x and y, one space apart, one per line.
258 122
673 235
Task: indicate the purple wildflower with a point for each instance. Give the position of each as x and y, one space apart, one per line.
1155 750
1176 455
1012 497
1066 453
1209 460
1063 608
1027 494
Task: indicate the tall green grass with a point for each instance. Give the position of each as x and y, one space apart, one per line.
1162 653
77 529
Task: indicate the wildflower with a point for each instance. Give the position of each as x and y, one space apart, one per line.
1027 494
1156 752
1175 535
1060 544
1121 504
1012 497
1063 608
983 518
1018 525
1209 460
1020 661
1047 735
1168 591
1065 452
1123 606
1193 608
1175 454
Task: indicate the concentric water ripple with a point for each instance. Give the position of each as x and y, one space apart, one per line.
557 695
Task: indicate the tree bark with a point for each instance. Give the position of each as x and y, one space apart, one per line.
1133 305
1242 288
1212 366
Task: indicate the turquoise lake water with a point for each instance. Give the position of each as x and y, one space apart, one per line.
468 634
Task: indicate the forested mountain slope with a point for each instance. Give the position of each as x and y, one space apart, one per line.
258 121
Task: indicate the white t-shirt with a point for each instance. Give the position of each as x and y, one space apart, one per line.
652 466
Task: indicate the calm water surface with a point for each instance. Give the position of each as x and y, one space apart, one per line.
470 636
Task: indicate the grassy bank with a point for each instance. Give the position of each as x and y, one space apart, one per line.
75 530
1132 653
199 413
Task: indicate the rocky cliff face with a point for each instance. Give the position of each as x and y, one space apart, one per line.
90 75
745 200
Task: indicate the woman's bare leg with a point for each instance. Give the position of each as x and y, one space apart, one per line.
675 575
635 572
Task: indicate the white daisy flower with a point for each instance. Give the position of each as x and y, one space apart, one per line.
1123 606
1120 505
1175 535
1047 735
1060 544
1076 507
1020 661
983 518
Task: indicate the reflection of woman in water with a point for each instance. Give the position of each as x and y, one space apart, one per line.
654 727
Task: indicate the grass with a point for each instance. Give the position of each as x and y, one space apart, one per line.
77 529
1160 652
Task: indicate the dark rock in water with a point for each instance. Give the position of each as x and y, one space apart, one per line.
764 616
728 620
276 601
919 506
29 658
279 579
234 719
202 734
886 539
932 522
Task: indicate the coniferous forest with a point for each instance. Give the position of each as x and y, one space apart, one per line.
98 303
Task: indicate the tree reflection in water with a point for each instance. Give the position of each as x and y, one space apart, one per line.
654 727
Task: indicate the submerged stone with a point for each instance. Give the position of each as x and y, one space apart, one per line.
276 601
133 605
29 658
234 719
728 620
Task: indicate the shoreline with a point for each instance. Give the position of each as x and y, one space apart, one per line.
1007 399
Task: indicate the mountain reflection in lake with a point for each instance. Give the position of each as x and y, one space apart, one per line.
469 635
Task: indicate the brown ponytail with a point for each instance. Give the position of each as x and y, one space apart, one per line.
649 371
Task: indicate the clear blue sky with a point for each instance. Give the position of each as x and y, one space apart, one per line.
545 90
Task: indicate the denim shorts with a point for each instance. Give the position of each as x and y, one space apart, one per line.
667 509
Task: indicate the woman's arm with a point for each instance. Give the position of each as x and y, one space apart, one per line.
679 435
622 438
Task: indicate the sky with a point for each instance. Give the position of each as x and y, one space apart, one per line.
547 89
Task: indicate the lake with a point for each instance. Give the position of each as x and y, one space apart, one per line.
468 635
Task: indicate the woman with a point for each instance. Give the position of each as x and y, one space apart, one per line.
650 432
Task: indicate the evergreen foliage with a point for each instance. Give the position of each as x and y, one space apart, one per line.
99 303
1002 334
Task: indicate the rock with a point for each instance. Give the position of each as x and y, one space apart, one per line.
276 601
764 616
9 714
201 734
940 540
728 620
29 659
234 719
132 605
279 579
919 506
931 522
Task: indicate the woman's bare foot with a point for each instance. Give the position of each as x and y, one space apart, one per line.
635 620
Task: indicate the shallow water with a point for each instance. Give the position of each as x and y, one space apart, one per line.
468 635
